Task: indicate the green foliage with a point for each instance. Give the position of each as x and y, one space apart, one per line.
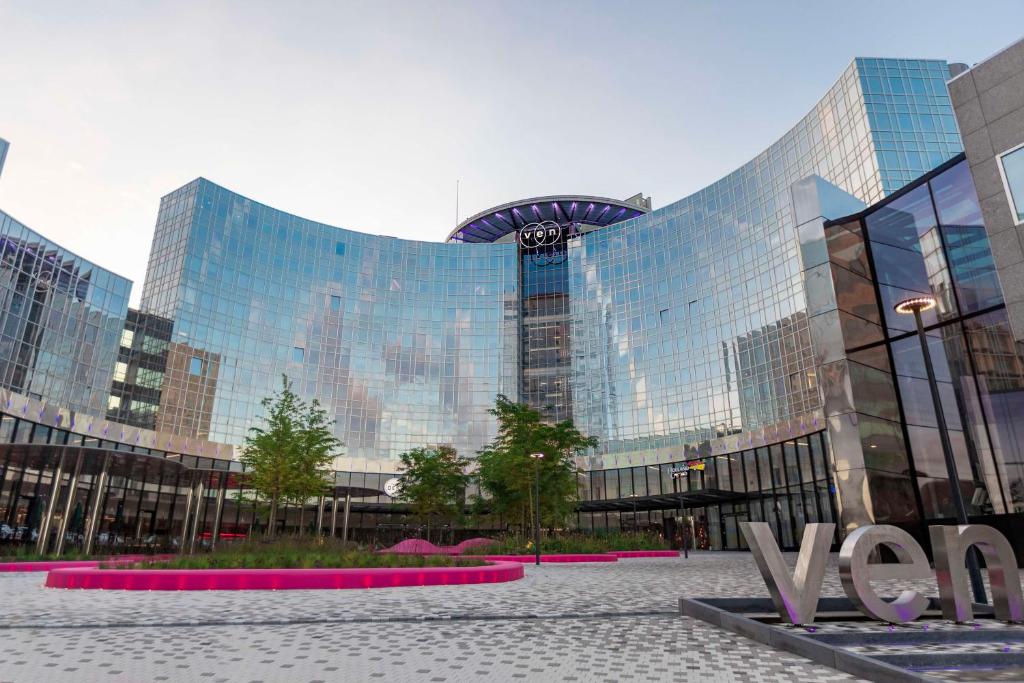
434 482
506 471
598 542
288 458
27 553
296 554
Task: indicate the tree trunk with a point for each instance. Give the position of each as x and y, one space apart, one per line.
302 514
272 519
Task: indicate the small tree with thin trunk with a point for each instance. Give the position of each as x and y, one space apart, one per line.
434 483
506 471
288 457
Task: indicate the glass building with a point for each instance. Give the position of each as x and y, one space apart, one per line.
693 341
4 145
60 319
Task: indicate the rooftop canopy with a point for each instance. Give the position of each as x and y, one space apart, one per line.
493 224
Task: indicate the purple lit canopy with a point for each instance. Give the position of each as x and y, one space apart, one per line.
493 224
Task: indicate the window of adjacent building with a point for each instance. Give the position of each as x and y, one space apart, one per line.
335 303
127 337
195 366
1012 166
113 403
151 379
120 372
339 248
298 354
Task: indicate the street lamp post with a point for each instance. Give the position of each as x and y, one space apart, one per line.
537 457
916 305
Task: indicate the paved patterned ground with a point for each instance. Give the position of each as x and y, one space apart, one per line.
598 622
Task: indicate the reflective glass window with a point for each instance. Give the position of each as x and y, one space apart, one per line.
1013 173
955 197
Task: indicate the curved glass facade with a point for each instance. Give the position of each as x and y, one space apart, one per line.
60 321
680 336
674 328
405 343
689 323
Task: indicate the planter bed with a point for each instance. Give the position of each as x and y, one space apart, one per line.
627 554
47 565
279 579
567 557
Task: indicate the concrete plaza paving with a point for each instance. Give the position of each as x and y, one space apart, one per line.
593 622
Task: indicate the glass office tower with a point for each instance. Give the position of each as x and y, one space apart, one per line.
60 320
654 331
681 337
405 343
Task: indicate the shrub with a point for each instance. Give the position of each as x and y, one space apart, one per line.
300 554
597 542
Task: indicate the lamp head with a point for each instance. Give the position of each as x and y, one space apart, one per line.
917 303
536 456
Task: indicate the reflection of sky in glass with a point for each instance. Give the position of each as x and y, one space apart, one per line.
1013 170
685 324
61 319
691 320
404 342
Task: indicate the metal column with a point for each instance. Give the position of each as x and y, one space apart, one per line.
348 505
44 526
320 516
68 506
185 521
98 499
215 534
334 515
195 517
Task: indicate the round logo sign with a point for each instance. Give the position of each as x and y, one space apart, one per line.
543 234
391 487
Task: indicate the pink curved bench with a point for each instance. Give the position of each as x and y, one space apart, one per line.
47 565
568 557
278 579
626 554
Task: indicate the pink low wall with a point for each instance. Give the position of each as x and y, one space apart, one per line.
278 579
575 557
47 565
625 554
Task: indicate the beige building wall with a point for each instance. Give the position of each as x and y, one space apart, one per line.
989 103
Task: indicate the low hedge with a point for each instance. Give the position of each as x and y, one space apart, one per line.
600 542
299 555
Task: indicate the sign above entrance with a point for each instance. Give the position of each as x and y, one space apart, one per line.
391 487
684 468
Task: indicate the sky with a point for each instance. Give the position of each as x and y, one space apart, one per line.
366 115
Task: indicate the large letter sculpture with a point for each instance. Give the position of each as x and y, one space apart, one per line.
795 597
950 545
856 574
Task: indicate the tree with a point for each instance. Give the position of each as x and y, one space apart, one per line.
434 483
288 458
506 470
